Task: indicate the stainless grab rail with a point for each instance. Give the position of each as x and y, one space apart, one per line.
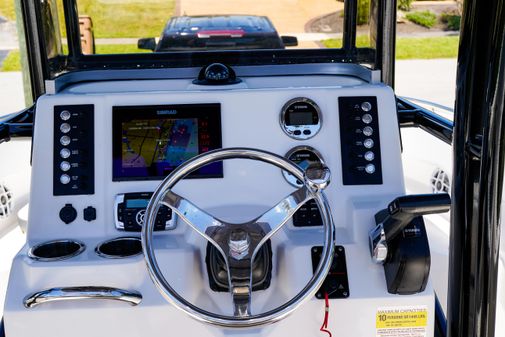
82 293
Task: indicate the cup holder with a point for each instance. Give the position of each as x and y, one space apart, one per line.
119 248
56 250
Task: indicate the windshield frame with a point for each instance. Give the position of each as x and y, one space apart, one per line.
51 67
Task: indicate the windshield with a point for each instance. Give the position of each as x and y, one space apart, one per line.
251 32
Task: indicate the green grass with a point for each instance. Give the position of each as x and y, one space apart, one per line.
427 48
7 9
423 18
12 62
117 19
412 48
127 19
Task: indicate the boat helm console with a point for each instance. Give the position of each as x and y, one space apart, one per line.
219 187
273 186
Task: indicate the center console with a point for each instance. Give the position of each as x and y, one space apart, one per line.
111 144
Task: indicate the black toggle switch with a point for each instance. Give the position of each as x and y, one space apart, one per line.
68 213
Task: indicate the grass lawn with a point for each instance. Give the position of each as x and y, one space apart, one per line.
12 62
7 9
126 18
116 19
412 47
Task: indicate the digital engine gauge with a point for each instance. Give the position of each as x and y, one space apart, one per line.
305 157
301 118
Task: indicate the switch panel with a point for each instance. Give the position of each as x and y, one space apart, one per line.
336 284
360 141
74 157
308 215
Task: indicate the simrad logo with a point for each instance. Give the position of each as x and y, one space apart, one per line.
167 112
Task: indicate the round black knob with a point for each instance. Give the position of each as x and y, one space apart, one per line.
68 213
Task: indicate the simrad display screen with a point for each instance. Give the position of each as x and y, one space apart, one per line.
149 142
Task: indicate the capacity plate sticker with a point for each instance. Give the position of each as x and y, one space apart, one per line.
401 321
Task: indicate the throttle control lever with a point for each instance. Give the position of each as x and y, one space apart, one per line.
399 214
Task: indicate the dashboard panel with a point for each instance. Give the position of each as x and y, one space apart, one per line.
247 117
110 176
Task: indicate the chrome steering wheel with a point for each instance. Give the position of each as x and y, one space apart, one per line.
239 243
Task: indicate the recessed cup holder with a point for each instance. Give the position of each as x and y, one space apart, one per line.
119 248
56 250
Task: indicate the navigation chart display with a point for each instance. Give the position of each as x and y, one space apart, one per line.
149 142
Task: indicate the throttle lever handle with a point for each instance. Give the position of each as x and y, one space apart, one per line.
404 209
398 215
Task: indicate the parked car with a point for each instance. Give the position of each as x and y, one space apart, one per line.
218 32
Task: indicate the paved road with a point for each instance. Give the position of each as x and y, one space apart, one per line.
8 38
431 80
11 92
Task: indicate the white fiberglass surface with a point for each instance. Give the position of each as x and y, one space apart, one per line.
249 118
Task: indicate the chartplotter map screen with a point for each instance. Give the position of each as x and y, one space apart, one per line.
150 142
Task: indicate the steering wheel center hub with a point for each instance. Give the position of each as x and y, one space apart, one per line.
239 243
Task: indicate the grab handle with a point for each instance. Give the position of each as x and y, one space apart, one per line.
82 293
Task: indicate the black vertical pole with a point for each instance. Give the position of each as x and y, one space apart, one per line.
383 38
73 29
35 47
350 23
388 43
478 170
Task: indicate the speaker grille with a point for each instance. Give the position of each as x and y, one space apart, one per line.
6 202
440 182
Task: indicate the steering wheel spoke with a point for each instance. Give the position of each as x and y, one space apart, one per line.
273 219
201 221
240 280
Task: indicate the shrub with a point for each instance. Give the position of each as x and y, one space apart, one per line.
451 20
425 18
404 5
363 12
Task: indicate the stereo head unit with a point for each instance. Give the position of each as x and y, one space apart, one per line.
149 142
130 210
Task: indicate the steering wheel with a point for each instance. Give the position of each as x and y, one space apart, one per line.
239 243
